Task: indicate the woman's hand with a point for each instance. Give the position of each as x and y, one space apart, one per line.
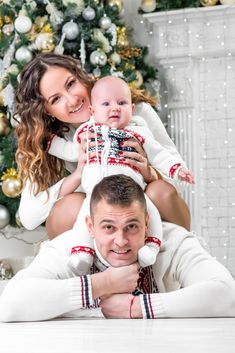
139 160
121 306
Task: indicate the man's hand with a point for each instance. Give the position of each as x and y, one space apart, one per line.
117 306
122 279
115 280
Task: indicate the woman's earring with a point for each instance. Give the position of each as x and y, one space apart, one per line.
52 118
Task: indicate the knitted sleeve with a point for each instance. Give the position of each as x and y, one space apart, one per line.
34 210
44 290
206 288
63 149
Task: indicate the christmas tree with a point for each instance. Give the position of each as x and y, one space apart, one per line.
91 30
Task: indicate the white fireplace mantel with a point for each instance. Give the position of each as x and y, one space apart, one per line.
194 50
191 32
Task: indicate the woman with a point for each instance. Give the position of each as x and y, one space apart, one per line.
53 97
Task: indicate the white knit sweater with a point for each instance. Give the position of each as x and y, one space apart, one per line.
191 283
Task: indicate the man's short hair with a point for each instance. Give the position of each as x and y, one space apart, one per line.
117 189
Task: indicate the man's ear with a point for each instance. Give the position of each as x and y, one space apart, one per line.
133 107
89 225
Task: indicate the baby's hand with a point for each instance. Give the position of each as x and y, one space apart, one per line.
186 175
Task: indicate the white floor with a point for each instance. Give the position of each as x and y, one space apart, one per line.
119 336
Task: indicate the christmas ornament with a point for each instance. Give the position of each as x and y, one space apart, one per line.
99 37
148 5
138 81
96 72
17 218
4 125
227 2
4 217
117 3
115 58
12 184
98 57
23 24
45 42
122 40
88 13
1 22
71 30
8 29
56 16
23 54
105 22
82 52
129 53
6 271
7 19
208 2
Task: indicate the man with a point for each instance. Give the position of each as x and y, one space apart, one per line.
185 281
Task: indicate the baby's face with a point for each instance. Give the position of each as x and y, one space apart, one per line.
111 103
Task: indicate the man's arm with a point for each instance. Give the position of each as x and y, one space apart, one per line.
48 288
207 289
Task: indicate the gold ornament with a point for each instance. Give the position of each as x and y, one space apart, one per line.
4 124
7 19
148 5
138 81
12 184
129 53
122 40
117 3
1 22
208 2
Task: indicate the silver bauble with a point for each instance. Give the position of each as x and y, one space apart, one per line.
97 72
4 217
98 57
8 29
105 22
88 13
23 54
71 30
23 24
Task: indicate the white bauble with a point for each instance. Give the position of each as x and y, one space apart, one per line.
98 57
116 59
23 24
23 54
71 30
88 13
105 22
4 217
148 5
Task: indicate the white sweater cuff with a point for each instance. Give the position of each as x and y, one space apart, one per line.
152 306
81 292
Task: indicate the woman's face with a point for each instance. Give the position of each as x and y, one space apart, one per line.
66 98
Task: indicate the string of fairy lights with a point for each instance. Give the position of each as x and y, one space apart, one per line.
215 145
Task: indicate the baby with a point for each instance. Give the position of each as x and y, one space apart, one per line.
112 124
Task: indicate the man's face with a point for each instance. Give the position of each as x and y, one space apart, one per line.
119 231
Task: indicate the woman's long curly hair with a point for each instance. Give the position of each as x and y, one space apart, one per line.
35 127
